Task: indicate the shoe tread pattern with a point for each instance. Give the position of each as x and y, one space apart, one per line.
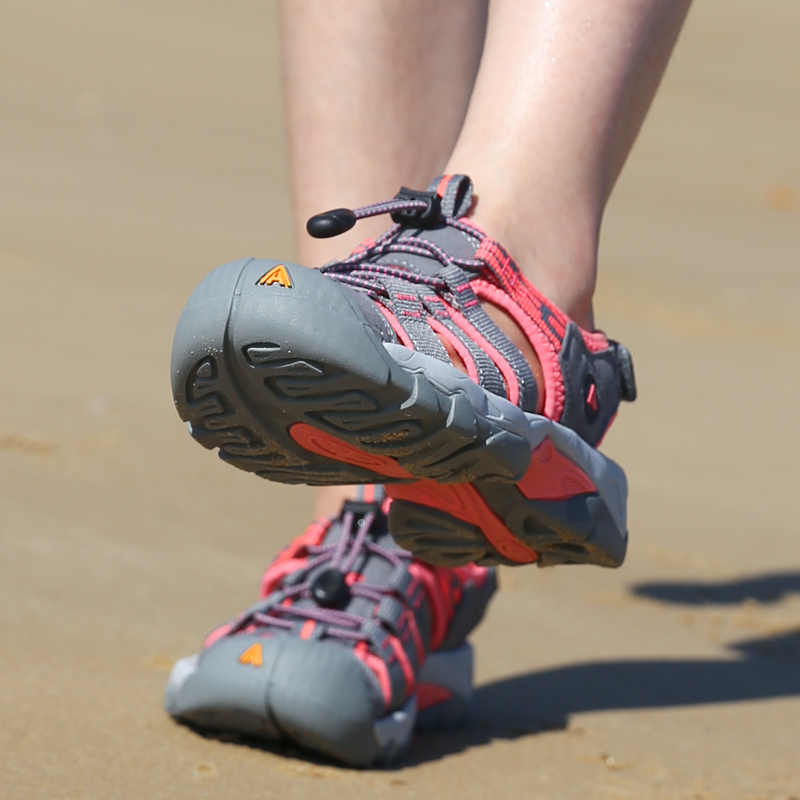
241 394
564 532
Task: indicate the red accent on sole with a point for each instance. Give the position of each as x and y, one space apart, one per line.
429 694
328 446
464 502
552 476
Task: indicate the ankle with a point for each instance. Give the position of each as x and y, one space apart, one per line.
555 251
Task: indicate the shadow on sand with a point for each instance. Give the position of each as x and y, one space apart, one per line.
761 588
538 701
523 705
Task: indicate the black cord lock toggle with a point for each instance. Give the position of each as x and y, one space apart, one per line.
428 217
330 590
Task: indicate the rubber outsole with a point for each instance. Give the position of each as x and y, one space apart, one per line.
575 531
288 380
251 361
212 695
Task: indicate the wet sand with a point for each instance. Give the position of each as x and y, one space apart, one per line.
140 146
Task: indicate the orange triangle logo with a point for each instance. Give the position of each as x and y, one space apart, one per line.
278 274
253 656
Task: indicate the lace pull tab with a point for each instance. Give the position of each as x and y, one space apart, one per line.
331 223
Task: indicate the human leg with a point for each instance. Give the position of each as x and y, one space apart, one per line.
562 91
554 82
375 97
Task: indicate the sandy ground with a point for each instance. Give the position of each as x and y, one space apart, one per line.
140 146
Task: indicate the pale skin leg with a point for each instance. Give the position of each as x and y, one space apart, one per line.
376 94
563 89
376 97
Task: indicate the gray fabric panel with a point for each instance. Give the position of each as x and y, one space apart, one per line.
411 315
469 306
579 367
453 241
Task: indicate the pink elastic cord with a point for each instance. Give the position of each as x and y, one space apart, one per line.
510 378
542 346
